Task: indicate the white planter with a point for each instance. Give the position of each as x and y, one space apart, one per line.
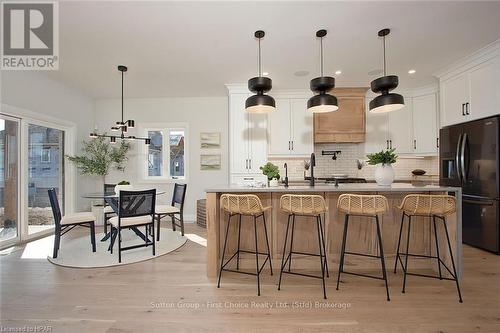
273 182
384 174
119 188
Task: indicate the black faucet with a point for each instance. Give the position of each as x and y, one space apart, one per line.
312 165
286 174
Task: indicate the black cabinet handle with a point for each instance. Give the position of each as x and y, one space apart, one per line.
289 145
292 145
467 108
387 141
390 144
414 144
437 142
463 109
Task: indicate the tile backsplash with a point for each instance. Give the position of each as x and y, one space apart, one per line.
346 163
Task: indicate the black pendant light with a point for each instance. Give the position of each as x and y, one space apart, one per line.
260 103
322 102
386 101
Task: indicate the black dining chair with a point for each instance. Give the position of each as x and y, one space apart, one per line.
175 210
65 223
135 209
109 212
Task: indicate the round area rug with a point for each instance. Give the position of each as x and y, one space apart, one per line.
78 253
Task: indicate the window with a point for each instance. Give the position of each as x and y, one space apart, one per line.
165 156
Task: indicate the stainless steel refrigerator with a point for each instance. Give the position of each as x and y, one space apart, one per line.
468 156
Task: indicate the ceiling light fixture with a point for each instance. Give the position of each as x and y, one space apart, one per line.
412 71
386 101
121 126
265 73
338 72
260 103
322 102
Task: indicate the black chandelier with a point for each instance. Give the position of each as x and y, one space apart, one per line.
386 101
322 102
122 125
260 102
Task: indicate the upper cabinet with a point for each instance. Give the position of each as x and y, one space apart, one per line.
425 129
470 90
290 128
347 124
399 132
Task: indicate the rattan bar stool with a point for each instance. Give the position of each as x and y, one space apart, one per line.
244 205
305 206
368 206
434 207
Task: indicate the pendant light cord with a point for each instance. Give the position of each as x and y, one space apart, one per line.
122 97
321 54
384 58
260 64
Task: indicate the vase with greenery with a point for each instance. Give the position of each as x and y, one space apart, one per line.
272 172
384 173
99 156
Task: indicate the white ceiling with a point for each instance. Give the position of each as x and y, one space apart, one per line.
194 48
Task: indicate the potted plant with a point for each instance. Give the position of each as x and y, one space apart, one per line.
272 172
384 173
123 186
98 156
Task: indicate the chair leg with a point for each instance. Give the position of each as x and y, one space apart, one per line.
452 261
399 242
267 243
282 266
57 241
437 247
152 225
382 259
342 254
256 254
291 244
173 222
223 251
321 255
92 236
405 269
105 224
119 244
158 222
324 246
182 223
239 237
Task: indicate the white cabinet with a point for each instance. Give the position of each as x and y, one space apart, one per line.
376 130
425 131
248 138
399 131
290 128
471 91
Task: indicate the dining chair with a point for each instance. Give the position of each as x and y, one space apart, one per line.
65 223
109 212
135 209
174 210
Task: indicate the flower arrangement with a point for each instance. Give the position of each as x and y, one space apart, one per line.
383 157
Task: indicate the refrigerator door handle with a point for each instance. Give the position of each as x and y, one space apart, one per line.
457 158
462 158
477 202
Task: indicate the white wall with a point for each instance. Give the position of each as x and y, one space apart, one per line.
202 114
38 94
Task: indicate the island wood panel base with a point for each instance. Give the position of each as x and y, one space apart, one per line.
361 236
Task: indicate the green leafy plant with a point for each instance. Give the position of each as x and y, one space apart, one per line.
271 171
383 157
98 156
124 182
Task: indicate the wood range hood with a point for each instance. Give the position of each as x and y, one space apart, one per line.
348 123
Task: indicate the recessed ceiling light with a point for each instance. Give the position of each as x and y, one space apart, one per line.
265 73
412 71
338 72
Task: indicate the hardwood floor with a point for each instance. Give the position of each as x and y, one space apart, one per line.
172 294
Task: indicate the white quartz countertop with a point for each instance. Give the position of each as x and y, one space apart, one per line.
361 187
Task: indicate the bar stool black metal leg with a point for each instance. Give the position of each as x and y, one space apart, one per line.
223 251
324 246
267 243
239 237
452 260
382 259
344 240
405 269
282 266
399 242
437 247
321 256
291 243
256 254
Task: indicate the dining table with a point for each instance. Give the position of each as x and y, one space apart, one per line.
112 199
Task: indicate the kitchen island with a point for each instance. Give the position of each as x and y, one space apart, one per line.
362 232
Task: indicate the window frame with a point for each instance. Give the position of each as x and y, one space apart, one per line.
143 159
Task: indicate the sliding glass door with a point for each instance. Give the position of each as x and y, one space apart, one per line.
9 182
45 171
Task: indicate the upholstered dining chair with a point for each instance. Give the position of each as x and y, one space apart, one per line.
65 223
135 209
175 210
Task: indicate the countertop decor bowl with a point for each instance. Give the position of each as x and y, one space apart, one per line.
418 172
